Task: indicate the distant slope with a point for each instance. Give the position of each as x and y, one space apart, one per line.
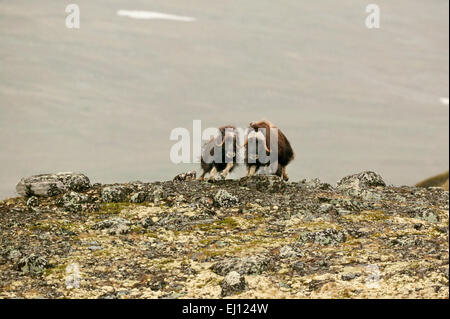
438 180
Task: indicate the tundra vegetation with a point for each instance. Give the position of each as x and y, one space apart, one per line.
254 237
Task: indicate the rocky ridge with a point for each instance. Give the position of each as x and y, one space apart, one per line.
256 237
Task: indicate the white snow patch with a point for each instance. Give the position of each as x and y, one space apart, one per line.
153 15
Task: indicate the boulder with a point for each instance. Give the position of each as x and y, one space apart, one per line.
224 199
233 283
73 201
256 264
52 184
324 237
263 183
32 264
361 180
114 226
114 194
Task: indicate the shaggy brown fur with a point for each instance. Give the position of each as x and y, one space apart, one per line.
285 152
227 163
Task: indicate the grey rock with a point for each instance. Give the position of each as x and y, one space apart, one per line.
139 197
114 194
300 268
315 183
32 264
159 195
287 252
225 199
73 201
14 255
147 222
361 180
94 248
185 177
256 264
114 226
325 208
232 284
52 184
348 277
325 237
426 214
74 181
263 183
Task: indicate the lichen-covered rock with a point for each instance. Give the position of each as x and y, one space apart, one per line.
114 226
32 264
185 177
10 254
263 183
365 179
315 183
114 194
147 222
74 181
232 284
139 197
324 237
299 267
159 194
73 201
288 252
225 199
48 185
426 214
245 266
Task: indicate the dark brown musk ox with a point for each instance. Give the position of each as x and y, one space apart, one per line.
258 152
220 153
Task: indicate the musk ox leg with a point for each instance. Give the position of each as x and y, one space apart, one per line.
227 169
202 177
279 171
212 173
251 170
284 174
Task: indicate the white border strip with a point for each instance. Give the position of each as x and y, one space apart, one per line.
153 15
444 100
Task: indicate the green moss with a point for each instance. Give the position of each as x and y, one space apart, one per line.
41 227
111 208
57 270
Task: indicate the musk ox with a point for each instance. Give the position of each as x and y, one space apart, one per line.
258 147
220 153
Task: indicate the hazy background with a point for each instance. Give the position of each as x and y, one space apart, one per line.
103 99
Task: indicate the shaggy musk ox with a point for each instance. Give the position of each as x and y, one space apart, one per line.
258 151
219 154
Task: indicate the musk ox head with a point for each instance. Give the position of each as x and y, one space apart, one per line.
256 147
222 148
272 140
